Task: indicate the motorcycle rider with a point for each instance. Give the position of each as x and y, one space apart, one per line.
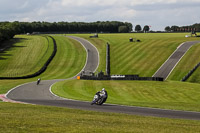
38 81
104 95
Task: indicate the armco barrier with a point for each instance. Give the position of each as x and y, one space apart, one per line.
190 72
121 77
42 69
108 59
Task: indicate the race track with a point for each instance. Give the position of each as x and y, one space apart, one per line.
41 94
168 66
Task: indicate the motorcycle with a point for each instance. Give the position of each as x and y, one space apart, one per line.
38 81
98 99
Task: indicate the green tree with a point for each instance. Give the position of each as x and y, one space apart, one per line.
138 28
130 26
146 28
123 29
167 29
174 28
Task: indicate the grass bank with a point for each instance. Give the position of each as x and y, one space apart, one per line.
25 55
100 44
69 60
143 58
30 118
166 95
187 63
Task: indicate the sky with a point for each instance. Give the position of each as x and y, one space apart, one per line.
156 13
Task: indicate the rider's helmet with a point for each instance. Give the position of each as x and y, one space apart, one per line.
103 89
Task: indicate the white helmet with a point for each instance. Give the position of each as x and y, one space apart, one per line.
103 89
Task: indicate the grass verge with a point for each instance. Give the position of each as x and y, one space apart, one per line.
143 58
69 60
166 95
187 63
30 118
26 55
100 44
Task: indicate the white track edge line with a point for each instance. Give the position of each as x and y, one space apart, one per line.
168 58
50 89
177 62
86 49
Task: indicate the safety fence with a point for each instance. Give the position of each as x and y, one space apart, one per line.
120 77
190 72
108 59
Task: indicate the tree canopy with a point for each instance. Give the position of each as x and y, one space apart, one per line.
123 29
167 28
174 28
9 29
138 28
146 28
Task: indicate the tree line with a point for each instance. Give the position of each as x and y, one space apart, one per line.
138 28
190 28
9 29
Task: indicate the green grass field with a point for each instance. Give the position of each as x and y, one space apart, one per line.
195 78
100 44
166 95
70 59
187 63
20 118
26 56
143 58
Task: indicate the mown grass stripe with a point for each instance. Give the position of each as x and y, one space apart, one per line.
31 118
167 95
135 60
170 95
164 43
57 63
64 66
25 56
118 64
67 61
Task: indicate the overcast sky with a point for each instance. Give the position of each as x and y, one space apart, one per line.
156 13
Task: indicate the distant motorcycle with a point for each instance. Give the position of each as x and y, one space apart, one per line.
99 99
38 81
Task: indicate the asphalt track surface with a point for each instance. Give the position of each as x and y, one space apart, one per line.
168 66
41 95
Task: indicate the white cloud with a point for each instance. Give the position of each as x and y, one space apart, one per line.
89 2
158 13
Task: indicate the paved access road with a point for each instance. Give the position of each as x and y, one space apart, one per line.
165 70
40 94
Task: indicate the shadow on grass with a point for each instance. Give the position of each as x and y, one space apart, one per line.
8 46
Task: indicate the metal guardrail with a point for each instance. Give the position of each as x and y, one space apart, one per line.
120 77
190 73
108 59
